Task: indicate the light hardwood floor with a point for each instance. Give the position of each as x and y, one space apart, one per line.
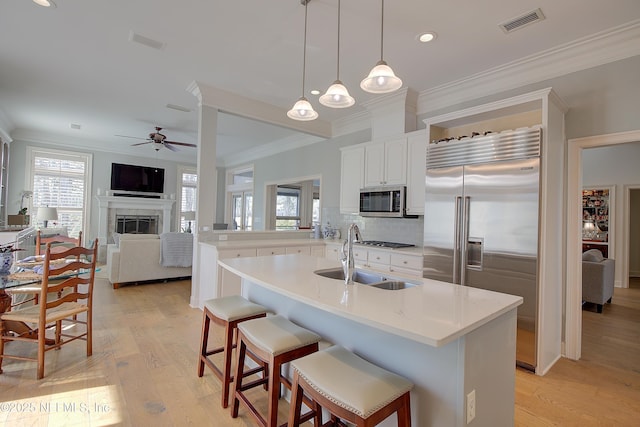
143 370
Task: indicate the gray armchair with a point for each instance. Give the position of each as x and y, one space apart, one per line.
598 275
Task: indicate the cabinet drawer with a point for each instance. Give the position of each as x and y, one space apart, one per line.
407 261
236 253
360 254
271 251
300 250
332 251
379 257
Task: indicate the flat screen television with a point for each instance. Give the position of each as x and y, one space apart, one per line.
137 178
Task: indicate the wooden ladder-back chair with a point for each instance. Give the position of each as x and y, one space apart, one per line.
63 243
57 240
66 292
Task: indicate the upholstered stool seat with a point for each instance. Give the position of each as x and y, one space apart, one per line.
226 312
350 388
275 341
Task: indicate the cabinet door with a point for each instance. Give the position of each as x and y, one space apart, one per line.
374 161
395 162
317 251
351 179
333 251
416 171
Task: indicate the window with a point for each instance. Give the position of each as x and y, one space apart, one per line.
287 208
187 193
239 208
61 179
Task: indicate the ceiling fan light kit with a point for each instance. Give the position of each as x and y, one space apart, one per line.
381 79
159 140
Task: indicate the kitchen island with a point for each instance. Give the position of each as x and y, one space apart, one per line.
449 340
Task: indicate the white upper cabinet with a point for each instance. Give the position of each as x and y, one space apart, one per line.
351 179
416 171
386 163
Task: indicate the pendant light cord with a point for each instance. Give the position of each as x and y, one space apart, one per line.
382 32
304 49
338 61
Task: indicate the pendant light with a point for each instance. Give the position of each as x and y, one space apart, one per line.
337 96
381 79
302 109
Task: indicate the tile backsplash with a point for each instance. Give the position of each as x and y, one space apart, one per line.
399 230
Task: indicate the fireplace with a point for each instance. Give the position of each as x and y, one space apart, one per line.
139 224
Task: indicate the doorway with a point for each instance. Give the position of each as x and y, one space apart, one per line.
573 299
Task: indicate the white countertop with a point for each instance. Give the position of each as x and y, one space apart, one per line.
434 313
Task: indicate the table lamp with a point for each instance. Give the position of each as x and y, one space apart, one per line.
47 214
189 216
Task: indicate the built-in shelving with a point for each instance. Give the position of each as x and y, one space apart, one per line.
595 220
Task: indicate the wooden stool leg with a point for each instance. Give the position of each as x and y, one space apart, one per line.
203 343
274 393
226 374
404 412
241 351
296 403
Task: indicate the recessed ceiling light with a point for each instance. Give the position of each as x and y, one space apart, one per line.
315 92
427 37
45 3
75 126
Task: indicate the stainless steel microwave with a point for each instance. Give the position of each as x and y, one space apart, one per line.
388 202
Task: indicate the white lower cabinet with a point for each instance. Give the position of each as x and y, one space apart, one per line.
271 251
299 250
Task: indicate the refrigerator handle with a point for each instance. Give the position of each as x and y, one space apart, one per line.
464 241
457 241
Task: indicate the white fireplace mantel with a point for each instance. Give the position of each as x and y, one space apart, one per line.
118 202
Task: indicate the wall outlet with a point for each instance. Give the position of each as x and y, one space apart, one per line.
471 406
222 237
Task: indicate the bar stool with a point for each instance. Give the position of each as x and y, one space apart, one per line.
226 312
350 388
274 340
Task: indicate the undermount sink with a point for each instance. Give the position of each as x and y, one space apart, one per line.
368 278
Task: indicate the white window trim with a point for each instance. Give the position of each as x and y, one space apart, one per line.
181 169
88 173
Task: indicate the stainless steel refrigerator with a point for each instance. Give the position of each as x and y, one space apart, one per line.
481 220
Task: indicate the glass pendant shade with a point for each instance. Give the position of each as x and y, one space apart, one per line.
302 110
337 96
381 79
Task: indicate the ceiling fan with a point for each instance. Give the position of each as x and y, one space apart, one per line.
159 140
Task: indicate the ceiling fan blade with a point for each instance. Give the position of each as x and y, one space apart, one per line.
127 136
170 147
141 143
180 143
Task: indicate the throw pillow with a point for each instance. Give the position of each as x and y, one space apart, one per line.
593 255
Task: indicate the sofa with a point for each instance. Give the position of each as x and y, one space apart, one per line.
137 258
598 277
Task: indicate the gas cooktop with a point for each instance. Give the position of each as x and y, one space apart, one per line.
382 244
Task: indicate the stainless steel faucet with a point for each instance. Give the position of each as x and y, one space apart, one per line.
348 263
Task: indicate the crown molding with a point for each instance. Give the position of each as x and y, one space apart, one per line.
253 109
601 48
352 123
6 127
93 146
290 143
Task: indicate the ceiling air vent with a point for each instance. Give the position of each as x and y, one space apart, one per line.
146 41
522 21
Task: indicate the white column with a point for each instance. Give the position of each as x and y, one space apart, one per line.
207 190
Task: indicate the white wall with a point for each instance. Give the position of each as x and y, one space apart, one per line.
101 176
